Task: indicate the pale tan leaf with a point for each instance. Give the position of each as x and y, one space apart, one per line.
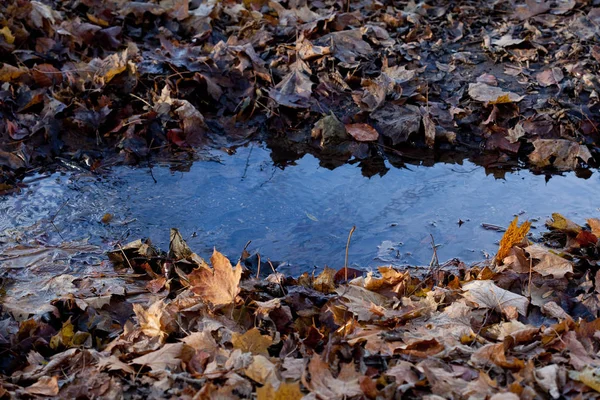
549 264
487 295
45 386
167 356
492 94
218 285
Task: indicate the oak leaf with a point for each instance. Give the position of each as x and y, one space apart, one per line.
325 386
218 285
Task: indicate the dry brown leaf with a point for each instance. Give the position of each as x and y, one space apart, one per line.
325 386
168 356
549 264
112 363
549 77
156 321
362 132
325 281
262 371
252 342
492 94
8 73
45 386
295 89
514 235
486 294
218 285
286 391
594 224
562 154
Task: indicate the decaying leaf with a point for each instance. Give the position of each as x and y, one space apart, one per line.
486 294
296 87
218 285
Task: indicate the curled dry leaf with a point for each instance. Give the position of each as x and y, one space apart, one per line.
218 285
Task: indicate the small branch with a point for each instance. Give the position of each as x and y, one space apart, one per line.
347 247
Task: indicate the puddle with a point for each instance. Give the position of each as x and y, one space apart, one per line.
301 214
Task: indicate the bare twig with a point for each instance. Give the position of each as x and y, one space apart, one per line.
347 247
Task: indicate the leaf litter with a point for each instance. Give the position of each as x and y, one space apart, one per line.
520 325
102 83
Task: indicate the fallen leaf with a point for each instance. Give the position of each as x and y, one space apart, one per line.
321 382
514 235
45 386
8 73
549 264
218 285
562 154
252 341
560 223
549 77
295 89
285 391
590 377
156 321
486 294
492 94
362 132
168 356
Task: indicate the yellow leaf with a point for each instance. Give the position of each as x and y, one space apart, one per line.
8 73
563 224
513 235
589 377
286 391
8 36
252 342
64 336
501 99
